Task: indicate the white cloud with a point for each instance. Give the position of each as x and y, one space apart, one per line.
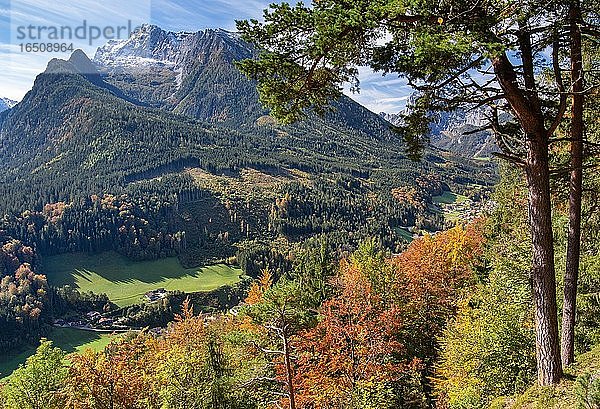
22 67
380 93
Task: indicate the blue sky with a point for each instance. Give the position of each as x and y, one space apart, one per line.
20 68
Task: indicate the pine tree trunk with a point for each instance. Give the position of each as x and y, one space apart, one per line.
289 373
543 271
527 108
575 191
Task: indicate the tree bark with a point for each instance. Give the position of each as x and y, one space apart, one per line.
526 107
288 369
549 367
575 190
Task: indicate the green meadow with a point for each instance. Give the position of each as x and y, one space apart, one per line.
68 339
449 198
125 281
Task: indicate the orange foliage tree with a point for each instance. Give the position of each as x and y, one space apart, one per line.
353 350
429 276
376 341
119 377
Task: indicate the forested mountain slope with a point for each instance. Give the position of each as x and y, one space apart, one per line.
137 125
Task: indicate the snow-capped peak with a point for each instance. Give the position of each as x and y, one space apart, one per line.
151 45
6 103
147 44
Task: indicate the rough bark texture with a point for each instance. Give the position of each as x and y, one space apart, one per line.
526 106
575 191
543 271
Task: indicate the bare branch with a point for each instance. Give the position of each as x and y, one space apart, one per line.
562 107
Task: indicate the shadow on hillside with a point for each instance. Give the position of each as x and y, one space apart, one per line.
147 272
203 218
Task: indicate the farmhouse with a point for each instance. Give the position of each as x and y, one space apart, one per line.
93 315
155 295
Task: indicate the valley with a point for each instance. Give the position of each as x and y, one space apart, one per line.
144 196
68 339
215 219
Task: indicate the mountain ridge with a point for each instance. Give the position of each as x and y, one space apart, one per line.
88 130
461 132
6 103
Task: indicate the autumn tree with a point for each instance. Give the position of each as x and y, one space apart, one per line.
430 276
203 363
488 350
38 383
377 336
276 314
354 351
121 377
455 54
191 364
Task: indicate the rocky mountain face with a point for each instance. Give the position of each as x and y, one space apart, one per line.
186 73
6 103
459 132
194 74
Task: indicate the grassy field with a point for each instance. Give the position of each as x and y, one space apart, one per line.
68 339
449 198
126 281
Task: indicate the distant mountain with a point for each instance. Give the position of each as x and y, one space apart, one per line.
194 74
6 103
167 121
458 132
186 73
155 99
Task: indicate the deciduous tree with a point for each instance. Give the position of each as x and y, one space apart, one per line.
38 383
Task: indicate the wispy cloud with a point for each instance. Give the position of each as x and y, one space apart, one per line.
22 66
193 15
380 93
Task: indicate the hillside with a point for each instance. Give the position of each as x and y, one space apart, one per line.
158 150
103 127
579 388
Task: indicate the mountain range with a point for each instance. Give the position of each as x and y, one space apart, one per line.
461 132
168 117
